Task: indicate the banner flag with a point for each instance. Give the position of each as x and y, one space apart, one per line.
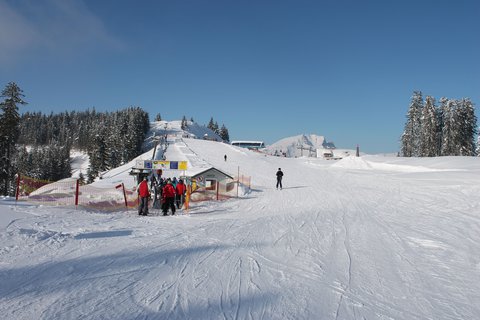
161 164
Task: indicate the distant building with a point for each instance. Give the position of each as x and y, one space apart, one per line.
328 145
328 154
249 144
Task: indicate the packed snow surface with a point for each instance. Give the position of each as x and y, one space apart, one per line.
358 238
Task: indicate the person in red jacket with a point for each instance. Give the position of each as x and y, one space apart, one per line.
143 191
168 195
180 189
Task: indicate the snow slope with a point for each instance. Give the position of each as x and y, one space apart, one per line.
360 238
174 129
79 163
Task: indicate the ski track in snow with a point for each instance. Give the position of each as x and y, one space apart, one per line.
335 243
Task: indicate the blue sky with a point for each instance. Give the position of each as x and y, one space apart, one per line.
266 69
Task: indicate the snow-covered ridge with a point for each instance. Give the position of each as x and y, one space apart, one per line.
300 145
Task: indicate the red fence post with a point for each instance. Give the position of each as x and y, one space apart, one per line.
124 195
77 189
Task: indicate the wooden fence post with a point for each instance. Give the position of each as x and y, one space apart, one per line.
187 198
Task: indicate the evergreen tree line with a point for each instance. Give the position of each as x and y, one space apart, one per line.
212 125
448 129
222 132
39 145
109 138
50 162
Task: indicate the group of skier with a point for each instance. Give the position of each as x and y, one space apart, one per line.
168 194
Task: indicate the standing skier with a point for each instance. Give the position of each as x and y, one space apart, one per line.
279 178
168 196
143 190
180 196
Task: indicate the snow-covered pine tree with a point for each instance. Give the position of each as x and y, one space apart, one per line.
9 131
447 108
91 175
158 117
211 124
114 148
216 129
98 154
81 179
50 163
184 123
407 140
410 139
477 150
224 133
36 165
56 162
23 160
439 134
429 129
467 127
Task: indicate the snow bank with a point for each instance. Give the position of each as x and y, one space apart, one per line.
375 163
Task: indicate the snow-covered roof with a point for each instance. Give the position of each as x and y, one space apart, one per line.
199 172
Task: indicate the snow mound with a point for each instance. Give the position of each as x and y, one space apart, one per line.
361 163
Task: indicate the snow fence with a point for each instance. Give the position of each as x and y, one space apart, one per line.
69 192
222 190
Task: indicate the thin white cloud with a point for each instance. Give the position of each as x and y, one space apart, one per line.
16 33
50 27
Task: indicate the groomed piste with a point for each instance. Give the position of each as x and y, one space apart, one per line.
359 238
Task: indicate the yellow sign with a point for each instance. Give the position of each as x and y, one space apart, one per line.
182 165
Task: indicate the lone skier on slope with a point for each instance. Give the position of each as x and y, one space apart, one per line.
279 178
